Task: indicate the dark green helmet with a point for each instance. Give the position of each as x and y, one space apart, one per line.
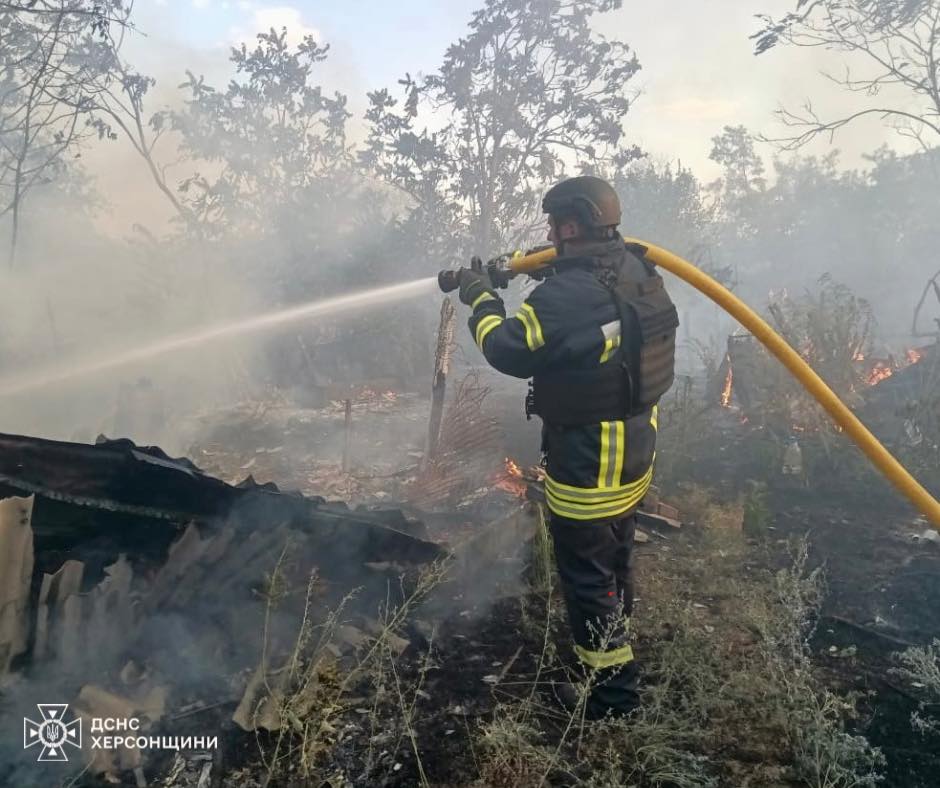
591 200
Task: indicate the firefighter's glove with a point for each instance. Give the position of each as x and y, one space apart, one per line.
473 284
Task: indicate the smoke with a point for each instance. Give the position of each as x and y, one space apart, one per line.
106 269
196 340
118 272
78 298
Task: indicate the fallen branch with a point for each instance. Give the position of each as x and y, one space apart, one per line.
869 631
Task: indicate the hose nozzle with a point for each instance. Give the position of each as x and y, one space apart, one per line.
448 281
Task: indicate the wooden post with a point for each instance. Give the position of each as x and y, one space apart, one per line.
346 426
445 344
16 572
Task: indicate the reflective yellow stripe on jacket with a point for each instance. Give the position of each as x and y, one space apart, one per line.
612 450
533 328
483 297
484 327
609 346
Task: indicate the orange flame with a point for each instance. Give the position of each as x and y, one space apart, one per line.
726 391
885 368
512 479
879 372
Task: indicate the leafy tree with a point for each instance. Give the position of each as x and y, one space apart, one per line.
807 223
117 107
743 181
275 192
279 140
668 207
734 150
874 227
529 92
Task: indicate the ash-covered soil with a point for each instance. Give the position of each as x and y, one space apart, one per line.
456 690
883 596
460 674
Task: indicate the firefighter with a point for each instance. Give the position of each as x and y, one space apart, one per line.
597 338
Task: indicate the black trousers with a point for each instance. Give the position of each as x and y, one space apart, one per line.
595 564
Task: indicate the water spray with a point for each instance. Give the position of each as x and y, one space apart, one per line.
251 325
507 267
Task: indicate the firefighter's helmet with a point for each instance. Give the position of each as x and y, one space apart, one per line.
591 200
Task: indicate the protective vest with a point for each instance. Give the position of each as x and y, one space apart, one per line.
645 363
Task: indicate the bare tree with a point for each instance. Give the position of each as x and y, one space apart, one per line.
933 285
70 82
50 55
116 105
98 12
879 11
897 43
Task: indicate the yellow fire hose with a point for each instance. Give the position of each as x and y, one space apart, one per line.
858 432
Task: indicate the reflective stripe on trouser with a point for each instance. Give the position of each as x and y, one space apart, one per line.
594 564
595 503
605 659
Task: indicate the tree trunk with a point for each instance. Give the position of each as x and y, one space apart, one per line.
445 340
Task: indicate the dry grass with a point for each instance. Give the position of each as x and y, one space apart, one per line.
920 667
307 697
810 716
730 694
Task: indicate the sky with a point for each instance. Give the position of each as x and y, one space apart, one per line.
698 73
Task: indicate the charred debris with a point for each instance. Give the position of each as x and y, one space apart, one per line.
136 584
136 574
189 596
313 635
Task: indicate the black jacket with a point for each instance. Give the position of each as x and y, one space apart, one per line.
569 322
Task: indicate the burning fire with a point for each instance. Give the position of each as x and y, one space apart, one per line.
885 368
879 372
512 479
726 391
